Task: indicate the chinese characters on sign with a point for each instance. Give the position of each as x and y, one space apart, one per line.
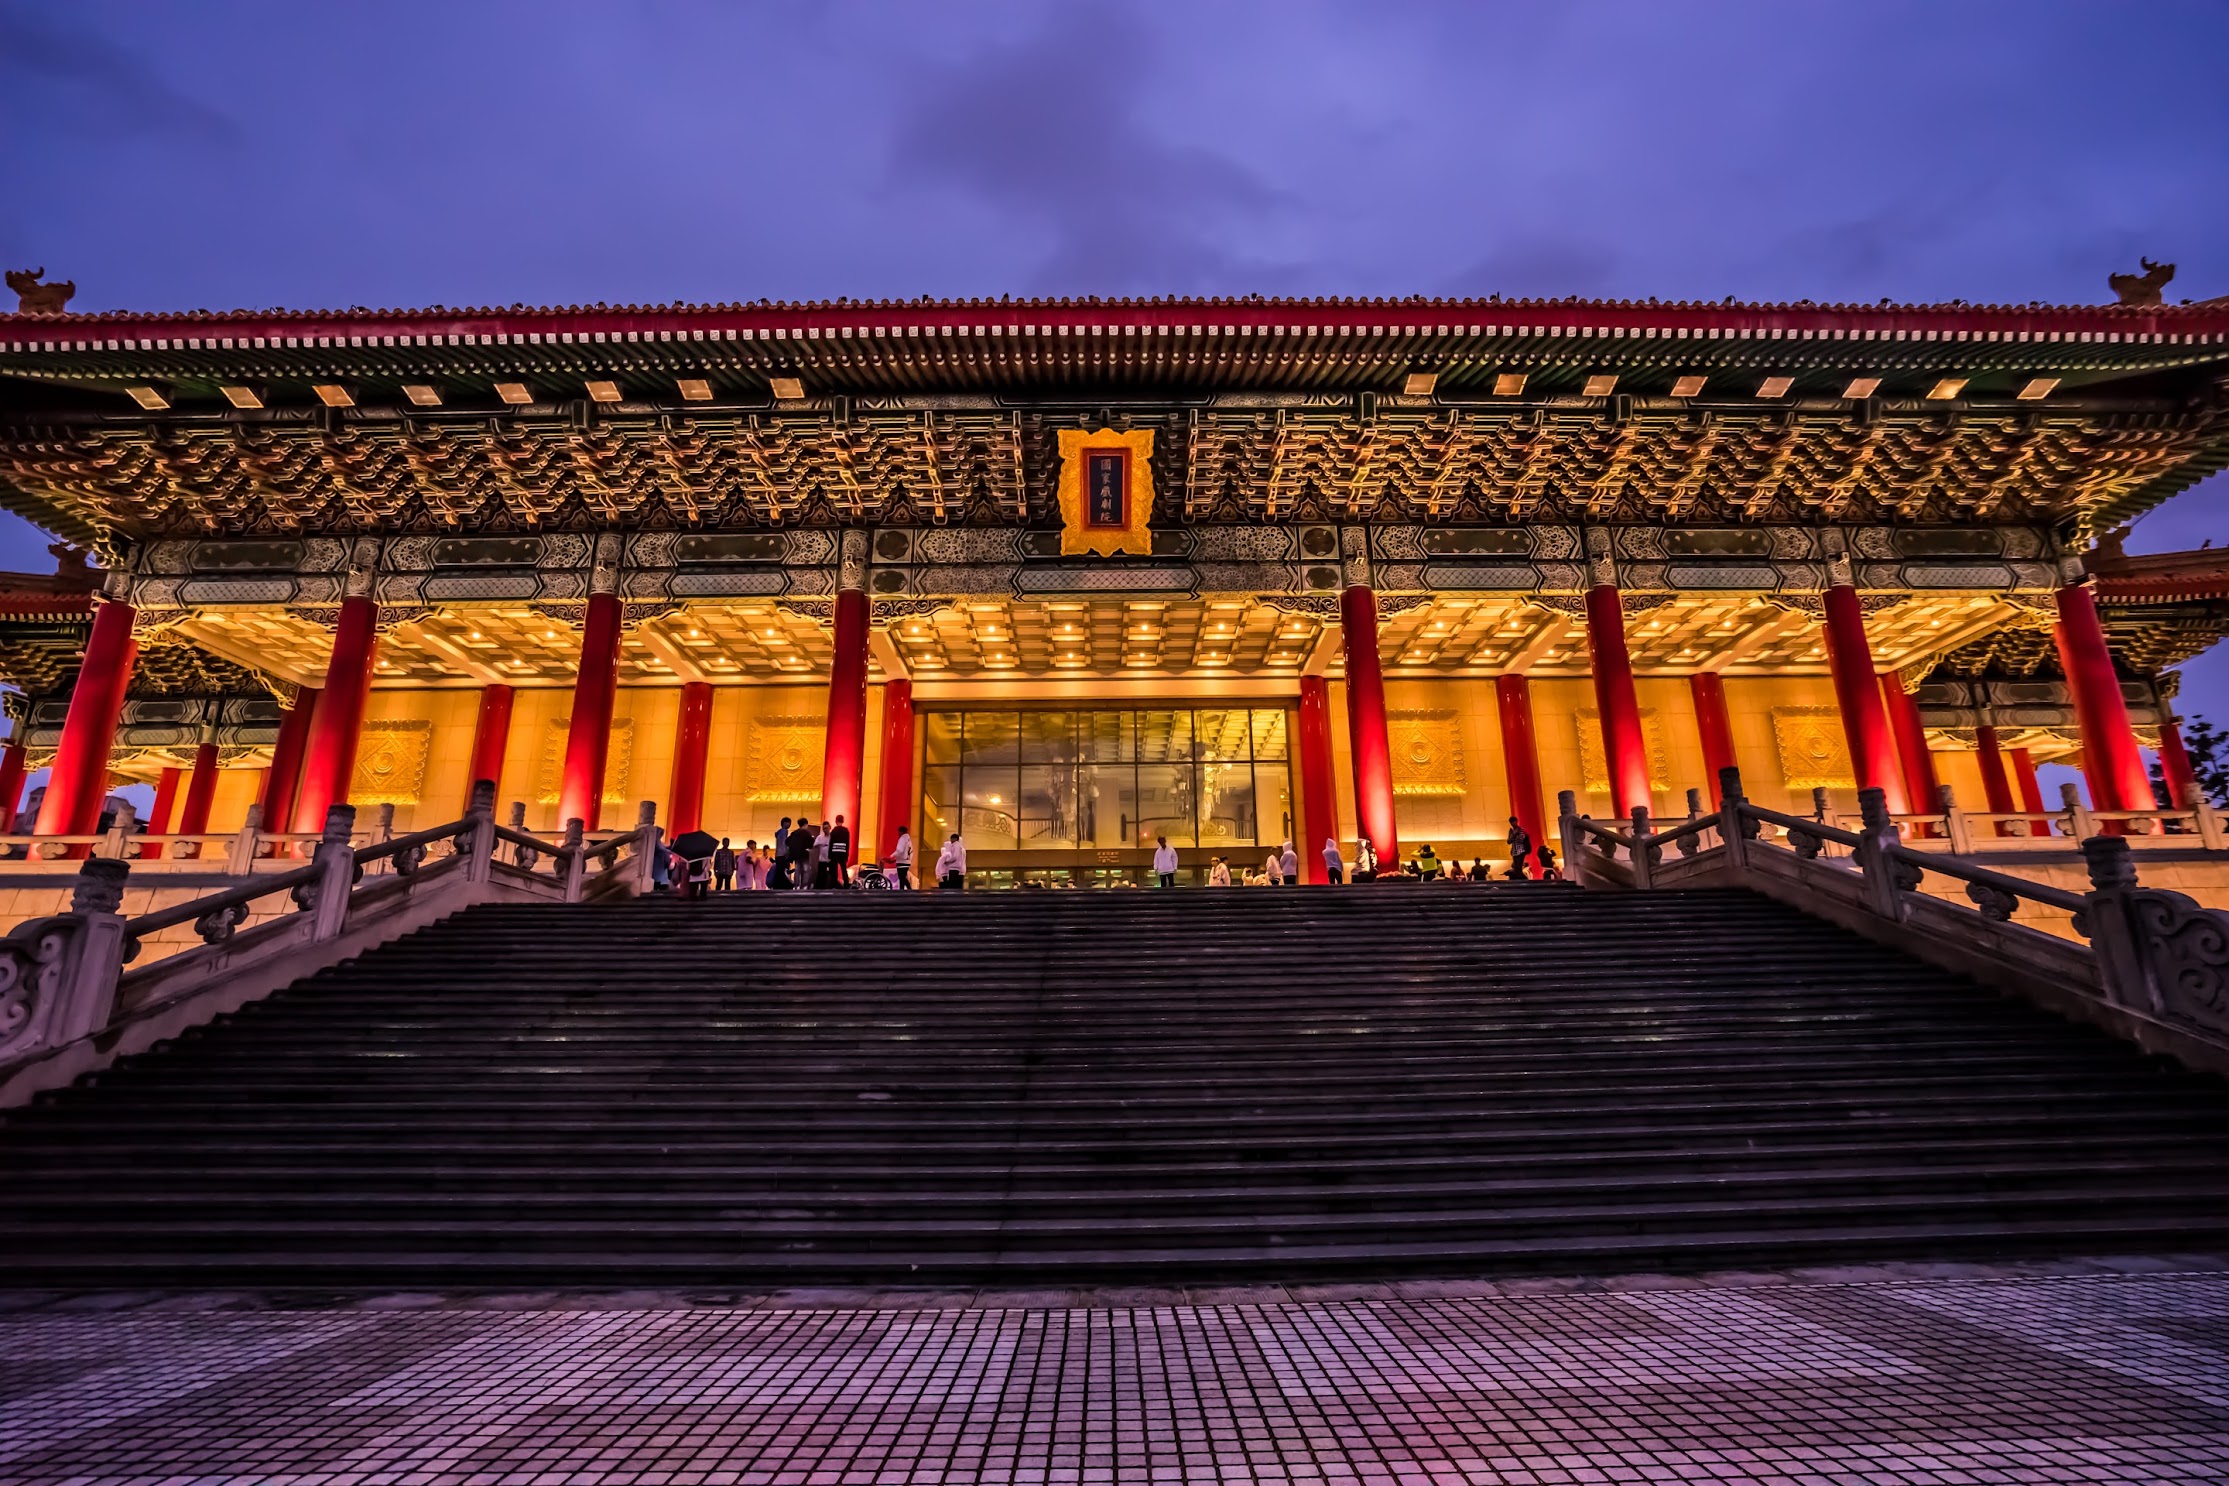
1106 488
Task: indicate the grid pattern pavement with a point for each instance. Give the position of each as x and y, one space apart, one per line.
2121 1378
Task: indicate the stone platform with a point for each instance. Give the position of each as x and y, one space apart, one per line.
2100 1371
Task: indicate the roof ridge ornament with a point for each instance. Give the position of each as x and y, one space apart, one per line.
2138 290
35 298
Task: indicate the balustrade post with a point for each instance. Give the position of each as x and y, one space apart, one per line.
1567 829
479 862
1733 832
1644 854
1822 805
575 856
335 861
241 860
382 832
647 837
117 843
1884 884
1954 821
1691 843
2209 825
2111 928
2080 824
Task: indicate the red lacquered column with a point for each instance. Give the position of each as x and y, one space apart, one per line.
11 784
1996 785
2110 755
329 758
580 795
1910 730
691 741
1366 735
2174 763
1624 746
1858 694
201 788
1319 787
158 818
1520 754
1716 728
79 781
491 737
2031 790
285 773
894 800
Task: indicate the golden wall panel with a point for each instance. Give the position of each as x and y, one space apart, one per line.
1814 754
1594 764
391 762
619 763
1427 748
785 759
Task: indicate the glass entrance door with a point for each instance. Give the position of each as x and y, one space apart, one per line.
1081 796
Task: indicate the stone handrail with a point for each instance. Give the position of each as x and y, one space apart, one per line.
2060 829
2155 969
69 1005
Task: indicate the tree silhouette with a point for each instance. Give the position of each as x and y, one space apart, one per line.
2208 747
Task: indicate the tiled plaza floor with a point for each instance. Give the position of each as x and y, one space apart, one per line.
2111 1377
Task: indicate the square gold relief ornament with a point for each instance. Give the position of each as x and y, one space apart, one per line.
1106 492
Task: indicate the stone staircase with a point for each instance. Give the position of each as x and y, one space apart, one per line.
1063 1088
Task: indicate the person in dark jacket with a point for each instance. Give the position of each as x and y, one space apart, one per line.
839 853
723 868
801 856
781 840
1520 847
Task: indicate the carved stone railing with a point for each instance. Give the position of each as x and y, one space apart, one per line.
80 988
1963 832
2155 969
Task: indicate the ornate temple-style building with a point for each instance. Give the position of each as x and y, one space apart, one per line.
1071 576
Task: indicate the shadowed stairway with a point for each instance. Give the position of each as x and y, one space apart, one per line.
1051 1088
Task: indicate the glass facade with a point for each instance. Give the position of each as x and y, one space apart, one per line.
1106 779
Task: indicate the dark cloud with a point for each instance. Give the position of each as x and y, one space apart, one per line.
1052 133
59 71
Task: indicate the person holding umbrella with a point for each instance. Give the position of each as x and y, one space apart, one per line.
696 849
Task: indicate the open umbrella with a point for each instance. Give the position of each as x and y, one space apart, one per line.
695 845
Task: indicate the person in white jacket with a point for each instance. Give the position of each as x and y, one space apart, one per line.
1219 873
901 860
951 864
1288 865
1334 867
1164 862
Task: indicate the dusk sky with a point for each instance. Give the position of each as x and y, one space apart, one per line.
221 155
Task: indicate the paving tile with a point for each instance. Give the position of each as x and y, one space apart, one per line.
1929 1379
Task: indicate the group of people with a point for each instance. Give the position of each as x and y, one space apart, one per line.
801 857
804 857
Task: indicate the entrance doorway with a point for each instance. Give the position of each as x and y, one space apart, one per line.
1077 797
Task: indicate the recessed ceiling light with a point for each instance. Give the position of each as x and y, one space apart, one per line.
603 391
694 389
1601 386
787 389
1946 389
517 394
1861 387
422 395
148 398
2038 389
241 397
1420 384
1775 386
1509 384
334 395
1689 386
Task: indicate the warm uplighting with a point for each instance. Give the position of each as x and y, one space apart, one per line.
1420 384
517 394
603 392
148 398
334 395
423 396
1689 386
1509 384
2038 389
241 397
1861 387
694 389
1775 386
787 389
1946 389
1601 385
